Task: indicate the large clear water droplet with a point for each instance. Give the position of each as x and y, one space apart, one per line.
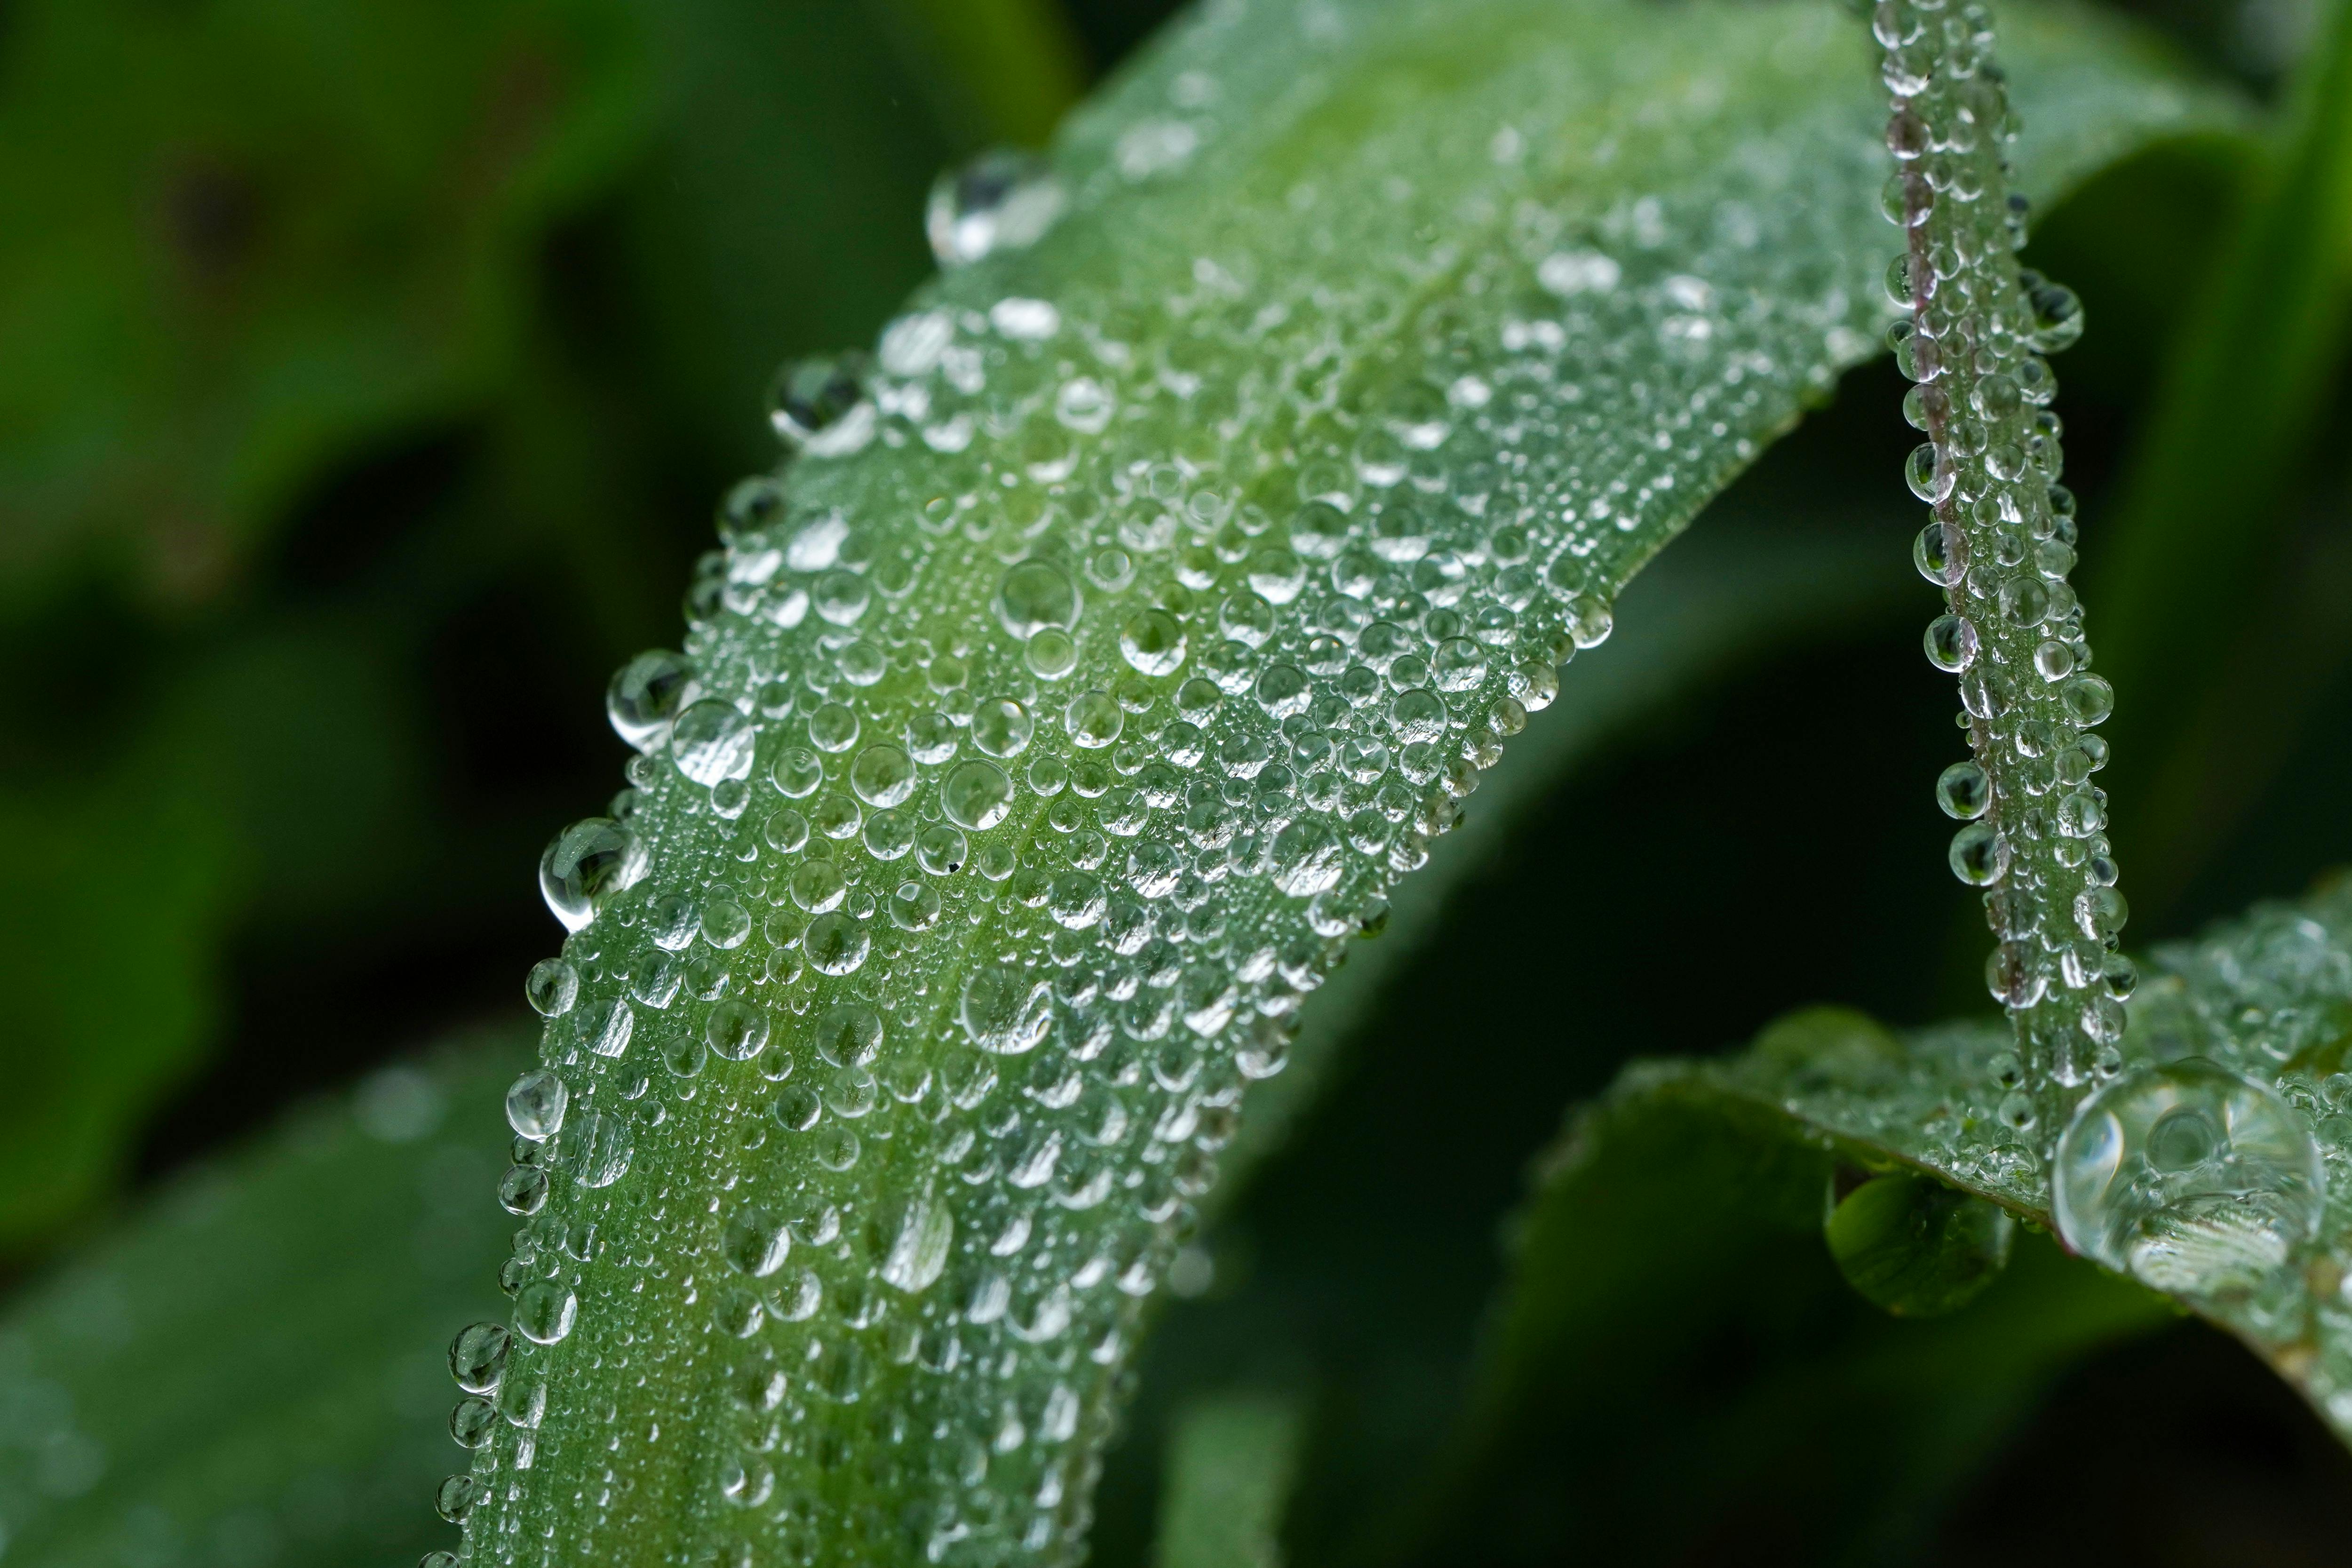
1916 1246
588 864
1035 596
919 1254
1004 1013
712 742
2189 1177
1001 200
646 696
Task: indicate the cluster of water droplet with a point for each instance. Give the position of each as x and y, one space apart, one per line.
1999 544
1118 633
2217 1167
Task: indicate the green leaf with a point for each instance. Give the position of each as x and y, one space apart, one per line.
1673 1313
1229 1467
253 1364
1098 667
2241 1037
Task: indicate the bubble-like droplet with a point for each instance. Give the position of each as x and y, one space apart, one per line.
1035 596
817 403
976 795
1916 1246
1004 1012
883 775
1963 791
836 945
1951 643
918 1253
712 742
737 1031
551 988
1152 642
589 863
756 1243
1978 855
477 1356
1002 200
850 1035
1094 719
599 1146
456 1497
646 696
544 1312
535 1103
2188 1176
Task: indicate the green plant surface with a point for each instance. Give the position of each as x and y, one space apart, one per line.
2267 996
1229 1469
2000 541
250 1369
1045 732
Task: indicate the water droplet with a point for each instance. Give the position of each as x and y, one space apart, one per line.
976 795
477 1356
1963 791
598 1147
756 1243
1003 1015
1093 718
551 988
646 696
1978 855
919 1252
1951 643
2188 1177
819 404
588 864
1152 642
544 1312
1001 200
883 775
1035 596
712 742
535 1104
1916 1246
737 1031
836 945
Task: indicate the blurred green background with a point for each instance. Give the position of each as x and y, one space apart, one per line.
372 370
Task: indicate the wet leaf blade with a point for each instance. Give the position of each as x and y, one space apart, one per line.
1295 262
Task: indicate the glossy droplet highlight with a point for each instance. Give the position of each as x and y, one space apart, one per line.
588 864
1916 1246
2189 1177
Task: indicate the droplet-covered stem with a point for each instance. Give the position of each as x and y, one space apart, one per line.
2000 543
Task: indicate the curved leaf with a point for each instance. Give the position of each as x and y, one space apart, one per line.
1096 671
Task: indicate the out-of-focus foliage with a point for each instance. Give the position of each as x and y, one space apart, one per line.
371 373
253 1371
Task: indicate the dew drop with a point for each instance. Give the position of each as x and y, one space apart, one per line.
1916 1248
1035 596
2189 1177
1002 200
712 742
646 696
588 864
535 1105
544 1312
